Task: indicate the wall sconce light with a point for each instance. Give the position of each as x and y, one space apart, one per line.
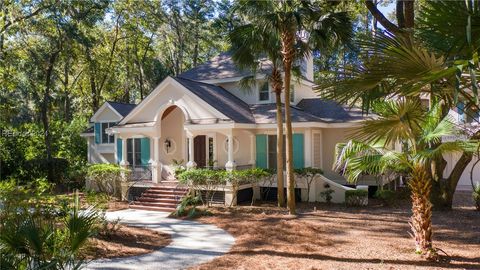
168 144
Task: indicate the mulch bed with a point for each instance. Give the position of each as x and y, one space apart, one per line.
125 242
337 237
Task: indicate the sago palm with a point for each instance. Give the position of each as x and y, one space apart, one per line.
298 24
403 122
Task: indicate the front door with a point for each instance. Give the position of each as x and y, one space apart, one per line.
200 151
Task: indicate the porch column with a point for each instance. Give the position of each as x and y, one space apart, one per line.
191 163
124 163
252 150
155 162
230 166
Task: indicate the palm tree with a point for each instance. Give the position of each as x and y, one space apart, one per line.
433 61
403 122
301 27
249 45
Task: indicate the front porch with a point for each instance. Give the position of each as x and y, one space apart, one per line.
153 150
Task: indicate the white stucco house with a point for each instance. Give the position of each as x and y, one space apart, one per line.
204 118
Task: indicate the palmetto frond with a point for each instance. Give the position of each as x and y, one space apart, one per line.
398 120
354 159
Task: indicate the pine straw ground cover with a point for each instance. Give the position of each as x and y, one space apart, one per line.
124 242
336 237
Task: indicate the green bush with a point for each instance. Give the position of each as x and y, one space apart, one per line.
106 178
35 234
356 197
308 171
387 196
476 195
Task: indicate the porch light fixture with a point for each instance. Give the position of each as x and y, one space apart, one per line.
168 144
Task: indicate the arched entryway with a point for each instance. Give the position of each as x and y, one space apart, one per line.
172 146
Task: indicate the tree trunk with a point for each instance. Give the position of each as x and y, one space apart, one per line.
400 14
421 221
277 88
288 52
44 114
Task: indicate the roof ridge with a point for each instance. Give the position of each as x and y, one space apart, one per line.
118 102
218 87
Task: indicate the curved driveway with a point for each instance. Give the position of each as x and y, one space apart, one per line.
192 242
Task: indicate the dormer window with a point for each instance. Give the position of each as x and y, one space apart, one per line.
263 92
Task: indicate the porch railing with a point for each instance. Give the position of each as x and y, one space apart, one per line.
140 172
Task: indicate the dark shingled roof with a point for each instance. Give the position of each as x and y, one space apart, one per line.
330 111
220 67
122 108
308 110
88 130
219 98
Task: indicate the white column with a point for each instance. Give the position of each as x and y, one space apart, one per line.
230 163
252 151
308 147
124 162
155 161
191 163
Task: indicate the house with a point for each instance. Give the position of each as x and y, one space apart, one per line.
204 118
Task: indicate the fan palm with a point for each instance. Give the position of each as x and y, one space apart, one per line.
403 122
298 24
439 60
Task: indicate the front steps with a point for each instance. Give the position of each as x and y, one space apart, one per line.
160 198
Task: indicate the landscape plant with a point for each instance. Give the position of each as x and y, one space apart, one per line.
34 235
476 196
309 174
107 178
327 193
420 132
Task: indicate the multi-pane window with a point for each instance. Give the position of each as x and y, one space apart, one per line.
105 137
264 93
134 154
292 93
272 151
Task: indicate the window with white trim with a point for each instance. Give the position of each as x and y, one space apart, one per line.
264 92
272 151
105 137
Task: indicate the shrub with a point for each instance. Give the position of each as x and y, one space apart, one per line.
327 193
106 178
309 173
387 196
356 197
476 196
35 236
188 201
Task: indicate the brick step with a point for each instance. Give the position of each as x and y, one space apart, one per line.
166 192
156 204
158 195
170 189
151 208
157 199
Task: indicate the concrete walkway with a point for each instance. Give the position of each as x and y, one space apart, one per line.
192 243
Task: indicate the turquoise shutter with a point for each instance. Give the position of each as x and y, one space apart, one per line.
298 151
98 132
119 150
261 151
145 150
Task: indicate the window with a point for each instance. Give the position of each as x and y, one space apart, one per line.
264 93
134 154
272 152
105 137
211 158
292 93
